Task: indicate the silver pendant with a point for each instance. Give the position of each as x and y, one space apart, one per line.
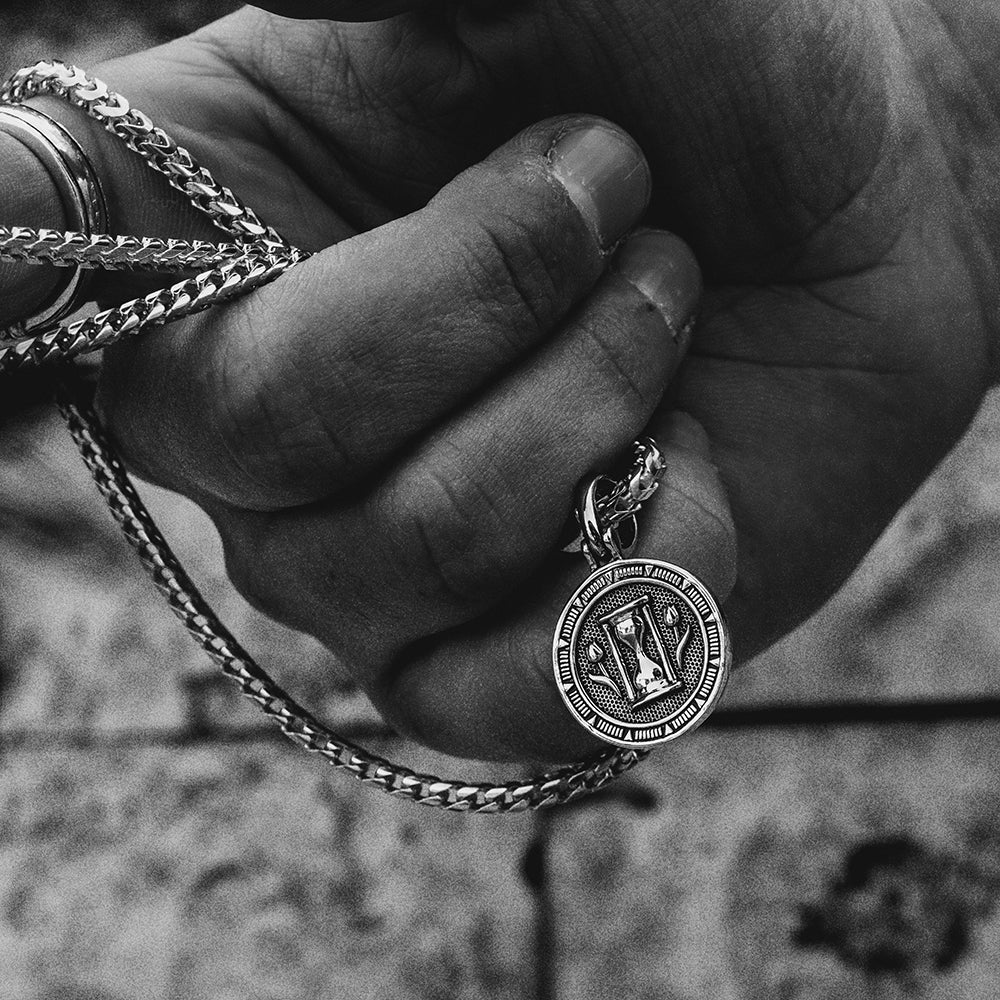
641 653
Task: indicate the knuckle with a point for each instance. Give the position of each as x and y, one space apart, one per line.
624 365
242 435
251 570
270 440
134 415
449 532
516 276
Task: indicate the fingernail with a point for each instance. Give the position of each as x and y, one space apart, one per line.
663 268
606 176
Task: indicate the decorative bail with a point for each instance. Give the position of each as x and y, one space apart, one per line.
606 509
603 543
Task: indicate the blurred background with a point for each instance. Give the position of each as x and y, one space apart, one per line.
834 832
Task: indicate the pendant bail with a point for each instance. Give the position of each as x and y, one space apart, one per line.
606 508
603 543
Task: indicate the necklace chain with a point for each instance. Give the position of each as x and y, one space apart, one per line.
258 255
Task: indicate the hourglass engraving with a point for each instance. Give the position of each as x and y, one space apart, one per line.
633 636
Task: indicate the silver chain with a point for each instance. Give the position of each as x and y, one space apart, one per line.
114 253
607 509
159 151
626 497
260 255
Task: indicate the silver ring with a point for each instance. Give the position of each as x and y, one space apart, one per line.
82 200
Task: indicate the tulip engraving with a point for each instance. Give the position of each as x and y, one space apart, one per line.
672 618
595 654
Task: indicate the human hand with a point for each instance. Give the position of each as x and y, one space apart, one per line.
812 178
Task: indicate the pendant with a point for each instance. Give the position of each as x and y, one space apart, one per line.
641 653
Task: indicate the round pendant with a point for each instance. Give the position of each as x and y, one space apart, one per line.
641 653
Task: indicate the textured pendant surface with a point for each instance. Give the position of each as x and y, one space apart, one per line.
641 653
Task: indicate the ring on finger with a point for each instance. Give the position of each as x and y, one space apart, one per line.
82 200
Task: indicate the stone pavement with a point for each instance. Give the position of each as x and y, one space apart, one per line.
158 840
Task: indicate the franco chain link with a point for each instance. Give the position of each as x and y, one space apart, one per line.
626 496
227 270
64 342
133 128
296 723
114 253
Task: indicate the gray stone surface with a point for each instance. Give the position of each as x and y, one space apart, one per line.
88 646
854 863
229 873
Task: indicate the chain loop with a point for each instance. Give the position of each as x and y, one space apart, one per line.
607 509
626 497
229 270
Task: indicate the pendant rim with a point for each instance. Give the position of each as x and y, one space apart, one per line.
725 658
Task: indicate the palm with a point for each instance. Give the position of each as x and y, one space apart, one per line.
808 151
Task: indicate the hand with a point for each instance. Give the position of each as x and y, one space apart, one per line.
830 168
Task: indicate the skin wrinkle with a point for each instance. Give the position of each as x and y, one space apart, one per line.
342 382
788 367
446 564
384 106
982 254
759 70
251 420
975 104
703 514
399 512
291 130
291 444
585 35
608 353
976 100
535 289
739 327
818 442
753 139
855 190
452 535
829 301
701 523
226 420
